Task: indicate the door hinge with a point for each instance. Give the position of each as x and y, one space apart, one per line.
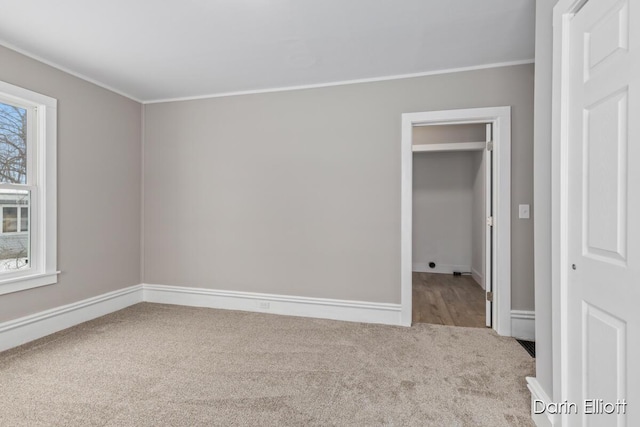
490 296
490 221
490 146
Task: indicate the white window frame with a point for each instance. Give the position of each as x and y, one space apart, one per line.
41 181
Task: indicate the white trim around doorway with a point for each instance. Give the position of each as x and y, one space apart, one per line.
500 118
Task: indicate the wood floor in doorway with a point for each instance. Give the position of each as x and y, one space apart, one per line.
444 299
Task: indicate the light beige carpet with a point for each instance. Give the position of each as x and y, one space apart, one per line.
157 365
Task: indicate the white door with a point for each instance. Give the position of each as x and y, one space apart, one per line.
488 243
602 270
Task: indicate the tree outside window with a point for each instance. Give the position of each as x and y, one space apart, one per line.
13 144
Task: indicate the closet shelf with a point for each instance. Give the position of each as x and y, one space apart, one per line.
454 146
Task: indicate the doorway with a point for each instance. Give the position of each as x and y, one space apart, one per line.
449 237
498 221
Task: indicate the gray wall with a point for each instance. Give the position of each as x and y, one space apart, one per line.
443 210
478 217
99 145
447 134
542 194
298 192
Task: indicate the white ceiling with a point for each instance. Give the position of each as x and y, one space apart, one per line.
164 49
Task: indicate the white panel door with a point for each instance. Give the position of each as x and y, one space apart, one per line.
603 213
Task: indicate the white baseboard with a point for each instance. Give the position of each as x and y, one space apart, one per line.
523 325
353 311
20 331
537 393
423 267
477 276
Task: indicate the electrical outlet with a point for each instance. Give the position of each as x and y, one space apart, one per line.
264 305
524 212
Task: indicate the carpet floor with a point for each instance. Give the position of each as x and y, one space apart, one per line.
162 365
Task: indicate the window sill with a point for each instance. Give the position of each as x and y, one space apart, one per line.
22 283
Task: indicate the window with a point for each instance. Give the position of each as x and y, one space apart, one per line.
24 219
9 219
27 189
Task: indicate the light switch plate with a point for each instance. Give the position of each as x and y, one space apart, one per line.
524 212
